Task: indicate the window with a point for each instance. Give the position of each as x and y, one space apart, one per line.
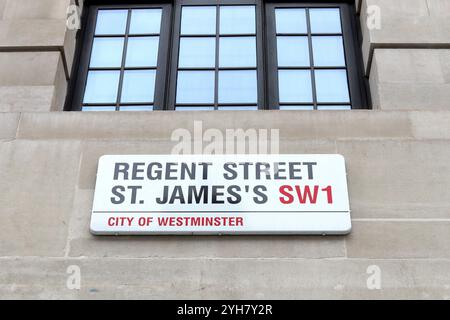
220 55
123 62
312 58
216 63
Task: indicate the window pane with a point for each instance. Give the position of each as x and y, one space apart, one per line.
109 108
194 108
197 52
111 22
325 20
107 52
332 86
142 52
101 87
145 21
198 20
295 86
293 51
195 87
291 21
136 108
245 108
237 52
138 86
237 86
237 20
297 108
328 51
346 107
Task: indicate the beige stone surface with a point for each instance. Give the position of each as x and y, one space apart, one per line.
431 125
26 98
32 34
399 240
160 125
414 79
60 89
407 24
28 68
2 8
38 183
32 81
224 279
398 179
37 26
35 9
8 125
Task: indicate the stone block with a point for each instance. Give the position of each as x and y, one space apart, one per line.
32 81
8 125
398 178
38 180
399 240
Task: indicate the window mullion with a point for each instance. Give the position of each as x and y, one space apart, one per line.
216 71
311 59
122 68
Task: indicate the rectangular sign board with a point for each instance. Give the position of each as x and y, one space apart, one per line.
221 194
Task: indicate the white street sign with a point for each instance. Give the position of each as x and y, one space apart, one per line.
221 194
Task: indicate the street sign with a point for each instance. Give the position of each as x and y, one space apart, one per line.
221 194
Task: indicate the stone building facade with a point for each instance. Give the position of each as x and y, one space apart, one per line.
397 156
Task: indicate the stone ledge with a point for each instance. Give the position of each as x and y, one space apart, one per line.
160 125
105 278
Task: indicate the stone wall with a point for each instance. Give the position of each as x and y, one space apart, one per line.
397 160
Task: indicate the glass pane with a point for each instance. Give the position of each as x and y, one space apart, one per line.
346 107
145 21
238 86
295 86
328 51
331 86
197 52
237 20
101 87
325 20
142 52
291 21
138 86
111 22
198 20
195 87
194 108
136 108
304 108
244 108
293 52
109 108
237 52
107 52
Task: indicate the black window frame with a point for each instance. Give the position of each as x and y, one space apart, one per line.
79 87
260 61
355 79
267 68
